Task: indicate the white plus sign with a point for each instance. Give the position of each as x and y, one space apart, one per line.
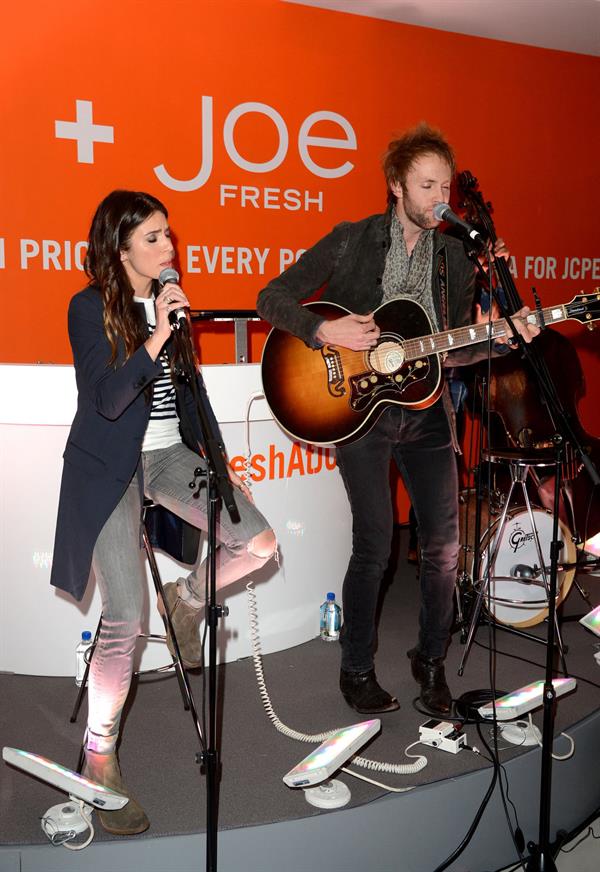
84 131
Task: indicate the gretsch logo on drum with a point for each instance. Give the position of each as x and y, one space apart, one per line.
519 537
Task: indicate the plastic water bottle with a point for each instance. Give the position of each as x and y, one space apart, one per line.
331 618
80 653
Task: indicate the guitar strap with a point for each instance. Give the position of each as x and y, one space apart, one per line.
442 271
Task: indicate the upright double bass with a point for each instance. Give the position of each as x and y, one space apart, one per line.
519 414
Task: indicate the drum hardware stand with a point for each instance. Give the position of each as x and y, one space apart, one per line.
567 499
519 468
583 593
460 584
464 577
565 433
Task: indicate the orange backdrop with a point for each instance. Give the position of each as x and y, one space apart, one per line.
223 96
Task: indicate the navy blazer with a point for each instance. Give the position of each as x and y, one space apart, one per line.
105 441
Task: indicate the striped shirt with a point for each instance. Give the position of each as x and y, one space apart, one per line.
163 426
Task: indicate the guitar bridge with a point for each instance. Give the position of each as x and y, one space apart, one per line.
335 371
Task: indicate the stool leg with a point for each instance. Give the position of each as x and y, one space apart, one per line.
166 617
184 685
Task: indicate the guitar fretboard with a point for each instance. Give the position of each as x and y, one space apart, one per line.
460 337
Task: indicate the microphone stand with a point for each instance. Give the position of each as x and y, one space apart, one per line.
220 491
541 855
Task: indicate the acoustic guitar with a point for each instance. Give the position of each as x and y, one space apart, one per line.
334 395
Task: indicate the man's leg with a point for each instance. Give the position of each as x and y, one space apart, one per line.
364 466
428 465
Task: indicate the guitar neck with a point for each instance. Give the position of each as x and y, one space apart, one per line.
461 337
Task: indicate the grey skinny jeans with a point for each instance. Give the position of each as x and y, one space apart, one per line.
118 565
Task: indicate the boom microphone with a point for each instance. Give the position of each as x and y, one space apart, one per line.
178 316
443 212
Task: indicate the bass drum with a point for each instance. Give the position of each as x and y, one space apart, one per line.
517 591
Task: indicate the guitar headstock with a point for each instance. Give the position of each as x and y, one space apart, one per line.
585 308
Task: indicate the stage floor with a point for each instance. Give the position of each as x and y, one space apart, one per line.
259 817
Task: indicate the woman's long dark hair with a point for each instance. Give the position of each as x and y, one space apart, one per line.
116 218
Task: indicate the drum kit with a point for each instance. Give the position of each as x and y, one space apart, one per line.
504 568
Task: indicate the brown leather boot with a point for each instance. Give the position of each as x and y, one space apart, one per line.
126 821
186 623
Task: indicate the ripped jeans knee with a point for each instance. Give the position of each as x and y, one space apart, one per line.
263 546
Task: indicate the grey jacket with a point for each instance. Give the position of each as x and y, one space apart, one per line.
350 261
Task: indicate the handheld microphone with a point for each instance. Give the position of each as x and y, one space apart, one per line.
177 317
443 212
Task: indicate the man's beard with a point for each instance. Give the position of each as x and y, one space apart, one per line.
421 219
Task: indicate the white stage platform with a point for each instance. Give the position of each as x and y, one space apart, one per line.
296 486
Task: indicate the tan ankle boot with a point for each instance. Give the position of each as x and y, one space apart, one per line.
186 623
126 821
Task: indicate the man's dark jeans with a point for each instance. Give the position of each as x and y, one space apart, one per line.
419 443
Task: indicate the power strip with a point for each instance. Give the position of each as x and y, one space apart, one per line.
442 735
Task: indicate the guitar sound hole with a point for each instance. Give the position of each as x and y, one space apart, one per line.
387 357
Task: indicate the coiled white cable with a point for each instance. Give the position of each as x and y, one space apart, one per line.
257 395
570 739
373 765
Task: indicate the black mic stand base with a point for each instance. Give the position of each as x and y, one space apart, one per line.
541 862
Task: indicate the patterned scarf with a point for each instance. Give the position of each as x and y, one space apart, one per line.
407 277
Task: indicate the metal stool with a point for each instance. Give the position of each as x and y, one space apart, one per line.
176 661
519 461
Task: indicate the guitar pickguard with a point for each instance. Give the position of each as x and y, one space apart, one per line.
366 387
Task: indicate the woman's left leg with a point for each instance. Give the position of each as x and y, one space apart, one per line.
243 547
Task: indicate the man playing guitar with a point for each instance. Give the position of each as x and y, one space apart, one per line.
393 256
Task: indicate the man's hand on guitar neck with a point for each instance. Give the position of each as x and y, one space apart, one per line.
524 328
357 332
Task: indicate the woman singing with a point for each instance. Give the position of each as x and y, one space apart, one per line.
135 433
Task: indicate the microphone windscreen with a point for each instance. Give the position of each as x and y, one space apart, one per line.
168 275
440 210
